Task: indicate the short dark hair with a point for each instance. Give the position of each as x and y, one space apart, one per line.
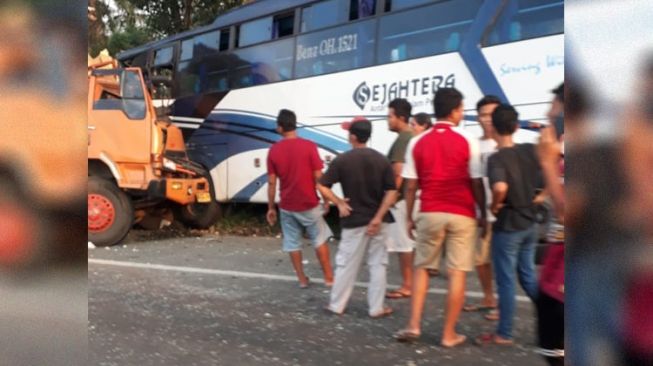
287 120
423 119
402 108
362 129
445 101
505 119
560 92
488 99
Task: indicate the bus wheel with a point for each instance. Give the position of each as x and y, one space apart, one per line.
200 215
110 212
21 228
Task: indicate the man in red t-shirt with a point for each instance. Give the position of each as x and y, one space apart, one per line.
445 164
295 161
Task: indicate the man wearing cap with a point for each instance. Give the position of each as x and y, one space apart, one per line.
295 161
399 111
445 163
369 188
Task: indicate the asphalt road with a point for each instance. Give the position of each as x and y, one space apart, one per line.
234 301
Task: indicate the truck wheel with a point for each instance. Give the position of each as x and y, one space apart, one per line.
22 228
200 215
110 212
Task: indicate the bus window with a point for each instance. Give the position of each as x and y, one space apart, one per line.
424 31
256 31
224 39
283 25
201 45
186 50
324 14
163 57
359 9
392 5
525 19
188 79
336 49
263 64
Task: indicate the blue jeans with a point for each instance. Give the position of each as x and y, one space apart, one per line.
513 253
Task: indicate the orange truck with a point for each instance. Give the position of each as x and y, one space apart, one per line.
136 163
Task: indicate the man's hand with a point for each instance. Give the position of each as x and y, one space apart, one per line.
343 207
482 224
326 207
496 208
549 148
272 216
410 226
374 227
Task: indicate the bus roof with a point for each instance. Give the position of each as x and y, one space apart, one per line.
253 10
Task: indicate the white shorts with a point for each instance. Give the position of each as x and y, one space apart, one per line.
398 240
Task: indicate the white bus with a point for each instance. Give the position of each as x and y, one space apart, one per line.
332 60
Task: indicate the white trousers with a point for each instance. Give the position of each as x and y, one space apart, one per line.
353 245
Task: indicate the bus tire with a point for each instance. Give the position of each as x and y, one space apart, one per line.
110 212
200 215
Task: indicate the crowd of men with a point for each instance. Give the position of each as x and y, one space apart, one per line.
439 192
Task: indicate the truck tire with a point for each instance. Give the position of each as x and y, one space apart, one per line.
200 215
110 212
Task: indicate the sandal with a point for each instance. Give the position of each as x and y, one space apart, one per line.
478 307
406 336
461 339
493 315
331 312
387 311
397 294
304 286
488 339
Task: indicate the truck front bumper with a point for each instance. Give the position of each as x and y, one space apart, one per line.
182 191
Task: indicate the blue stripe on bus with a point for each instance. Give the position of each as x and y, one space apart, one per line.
264 127
245 194
473 57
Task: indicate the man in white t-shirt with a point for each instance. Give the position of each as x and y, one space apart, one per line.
483 258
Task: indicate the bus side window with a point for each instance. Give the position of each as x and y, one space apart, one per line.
424 31
526 19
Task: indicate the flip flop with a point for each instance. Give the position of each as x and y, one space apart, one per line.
491 339
387 311
331 312
406 336
304 286
396 294
461 339
493 315
478 307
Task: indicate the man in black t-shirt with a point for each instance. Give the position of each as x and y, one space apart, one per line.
368 184
515 178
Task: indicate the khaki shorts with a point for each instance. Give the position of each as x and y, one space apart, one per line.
483 249
456 233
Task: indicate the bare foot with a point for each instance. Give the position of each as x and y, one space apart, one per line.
459 339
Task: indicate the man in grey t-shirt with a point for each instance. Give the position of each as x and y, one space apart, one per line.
368 185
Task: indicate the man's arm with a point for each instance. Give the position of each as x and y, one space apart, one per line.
343 206
389 199
398 168
549 154
478 188
499 193
411 194
272 191
317 174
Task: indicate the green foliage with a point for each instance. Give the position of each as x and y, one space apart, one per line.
129 38
135 22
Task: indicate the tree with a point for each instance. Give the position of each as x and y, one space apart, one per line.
167 17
